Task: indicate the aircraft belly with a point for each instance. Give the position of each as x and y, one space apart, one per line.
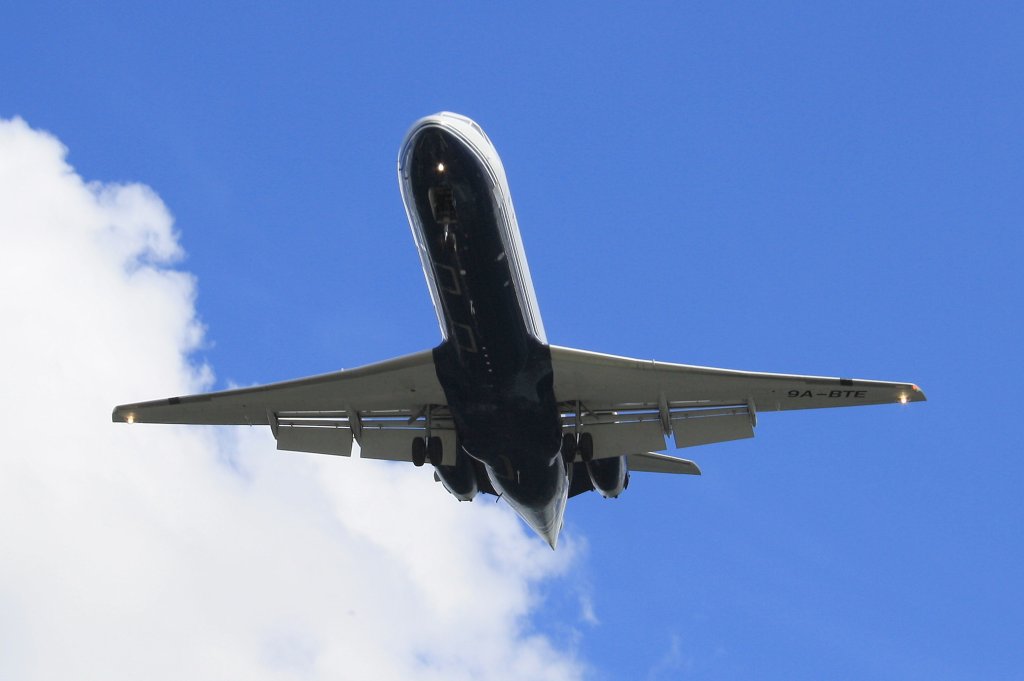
494 364
495 372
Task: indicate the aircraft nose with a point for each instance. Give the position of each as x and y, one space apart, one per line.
436 148
443 145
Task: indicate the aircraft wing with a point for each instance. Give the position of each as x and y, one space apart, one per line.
631 405
382 406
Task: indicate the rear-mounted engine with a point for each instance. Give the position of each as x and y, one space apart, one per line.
609 476
459 479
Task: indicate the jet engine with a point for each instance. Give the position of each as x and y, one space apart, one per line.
459 479
609 476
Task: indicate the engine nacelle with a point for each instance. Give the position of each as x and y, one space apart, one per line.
609 476
460 479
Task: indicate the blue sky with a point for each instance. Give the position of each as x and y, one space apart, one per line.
808 189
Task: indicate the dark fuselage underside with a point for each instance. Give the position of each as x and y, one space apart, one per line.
497 377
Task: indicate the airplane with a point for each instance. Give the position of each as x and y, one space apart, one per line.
495 408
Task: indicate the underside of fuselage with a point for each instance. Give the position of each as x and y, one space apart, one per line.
493 364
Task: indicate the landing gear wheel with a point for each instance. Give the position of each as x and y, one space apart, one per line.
419 451
586 446
569 447
435 451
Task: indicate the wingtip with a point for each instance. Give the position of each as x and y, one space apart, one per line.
915 394
122 415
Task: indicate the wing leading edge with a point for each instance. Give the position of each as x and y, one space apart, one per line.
401 384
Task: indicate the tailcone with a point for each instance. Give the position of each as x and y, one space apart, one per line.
546 521
547 526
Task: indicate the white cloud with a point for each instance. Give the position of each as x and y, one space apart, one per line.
142 552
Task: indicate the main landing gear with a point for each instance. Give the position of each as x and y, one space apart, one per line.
427 449
573 447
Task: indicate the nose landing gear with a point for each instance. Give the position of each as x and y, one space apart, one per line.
442 205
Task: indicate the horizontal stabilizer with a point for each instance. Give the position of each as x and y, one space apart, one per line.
652 462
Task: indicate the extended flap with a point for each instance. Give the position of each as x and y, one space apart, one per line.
616 439
703 428
336 441
396 445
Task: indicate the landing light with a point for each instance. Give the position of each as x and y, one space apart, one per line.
903 399
130 418
440 167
